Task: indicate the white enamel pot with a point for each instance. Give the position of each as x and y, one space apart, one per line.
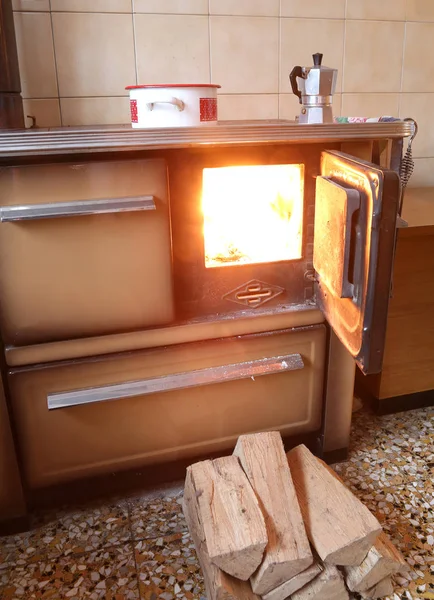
174 105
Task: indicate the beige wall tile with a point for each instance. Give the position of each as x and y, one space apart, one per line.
46 112
31 5
185 7
94 52
95 111
300 38
372 61
423 174
387 10
172 49
244 54
248 106
289 107
320 9
418 71
263 8
419 107
420 10
35 55
100 6
370 105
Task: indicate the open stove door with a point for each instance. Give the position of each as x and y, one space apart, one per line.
355 223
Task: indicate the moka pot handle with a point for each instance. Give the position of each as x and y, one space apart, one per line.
296 72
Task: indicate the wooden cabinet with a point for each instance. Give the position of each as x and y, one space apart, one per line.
409 354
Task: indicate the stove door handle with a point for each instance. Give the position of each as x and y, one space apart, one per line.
77 208
177 381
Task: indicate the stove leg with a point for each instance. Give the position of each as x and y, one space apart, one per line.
338 399
335 456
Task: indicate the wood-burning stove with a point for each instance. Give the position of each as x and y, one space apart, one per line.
208 283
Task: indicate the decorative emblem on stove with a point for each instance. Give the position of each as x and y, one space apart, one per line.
254 293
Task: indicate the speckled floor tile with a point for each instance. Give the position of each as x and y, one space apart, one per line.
108 573
68 532
380 488
157 516
168 568
142 546
410 432
390 469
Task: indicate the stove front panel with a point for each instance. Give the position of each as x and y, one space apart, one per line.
242 227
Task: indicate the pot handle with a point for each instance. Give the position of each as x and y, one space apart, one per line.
296 72
179 104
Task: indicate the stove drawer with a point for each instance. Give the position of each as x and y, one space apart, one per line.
165 404
85 250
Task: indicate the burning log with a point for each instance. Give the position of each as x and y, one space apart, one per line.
325 502
288 553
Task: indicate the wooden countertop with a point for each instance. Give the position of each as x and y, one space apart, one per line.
418 211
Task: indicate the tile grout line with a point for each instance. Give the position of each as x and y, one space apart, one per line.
55 64
404 41
227 94
103 12
279 51
209 44
134 41
344 47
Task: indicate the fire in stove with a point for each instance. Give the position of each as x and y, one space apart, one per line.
252 214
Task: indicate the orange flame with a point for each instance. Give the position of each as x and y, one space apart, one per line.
252 214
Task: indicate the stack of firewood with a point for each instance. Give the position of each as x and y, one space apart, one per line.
271 525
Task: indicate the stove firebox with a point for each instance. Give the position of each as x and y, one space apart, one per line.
242 227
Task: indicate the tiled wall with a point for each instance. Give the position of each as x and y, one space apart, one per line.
77 56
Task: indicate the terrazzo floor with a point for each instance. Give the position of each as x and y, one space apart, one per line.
139 547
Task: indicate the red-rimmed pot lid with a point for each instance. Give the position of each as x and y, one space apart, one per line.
173 85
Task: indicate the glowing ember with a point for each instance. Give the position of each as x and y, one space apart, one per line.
252 214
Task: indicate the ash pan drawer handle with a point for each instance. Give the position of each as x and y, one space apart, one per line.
177 381
33 212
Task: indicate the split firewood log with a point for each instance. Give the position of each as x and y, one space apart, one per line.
219 585
340 528
288 552
382 560
229 511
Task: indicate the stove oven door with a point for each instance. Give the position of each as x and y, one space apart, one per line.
85 249
356 207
